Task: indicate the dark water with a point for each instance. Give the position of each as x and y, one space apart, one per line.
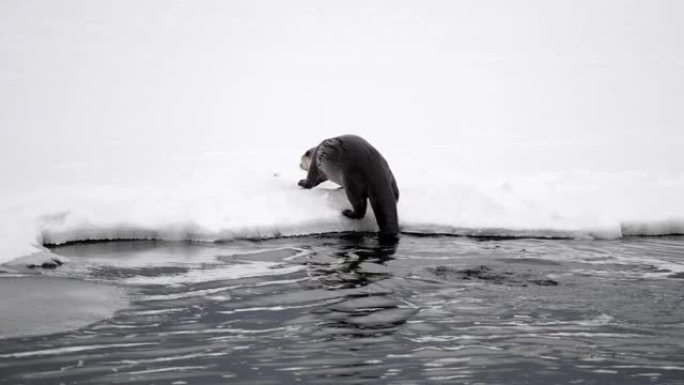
346 310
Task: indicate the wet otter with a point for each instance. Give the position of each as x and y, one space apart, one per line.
353 163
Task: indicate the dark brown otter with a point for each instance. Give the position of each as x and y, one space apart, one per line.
357 166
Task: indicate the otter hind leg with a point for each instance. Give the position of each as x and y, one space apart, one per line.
359 201
385 209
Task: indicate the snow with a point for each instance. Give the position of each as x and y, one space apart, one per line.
254 194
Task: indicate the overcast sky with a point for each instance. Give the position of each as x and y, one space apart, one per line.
89 81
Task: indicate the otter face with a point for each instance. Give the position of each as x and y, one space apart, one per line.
305 163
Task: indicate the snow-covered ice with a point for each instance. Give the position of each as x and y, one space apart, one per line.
246 194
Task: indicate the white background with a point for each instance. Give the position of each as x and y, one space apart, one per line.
596 85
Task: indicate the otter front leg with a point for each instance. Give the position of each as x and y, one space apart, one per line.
313 178
358 200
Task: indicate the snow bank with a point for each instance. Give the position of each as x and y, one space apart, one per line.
224 196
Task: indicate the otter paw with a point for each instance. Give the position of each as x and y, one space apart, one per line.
350 214
302 183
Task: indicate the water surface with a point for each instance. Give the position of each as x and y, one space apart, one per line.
344 309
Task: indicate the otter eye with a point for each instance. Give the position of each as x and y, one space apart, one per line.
307 153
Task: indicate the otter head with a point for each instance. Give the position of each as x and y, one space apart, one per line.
305 163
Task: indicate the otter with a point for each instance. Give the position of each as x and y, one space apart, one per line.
362 171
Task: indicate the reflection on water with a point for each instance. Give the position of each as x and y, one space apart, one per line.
349 308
